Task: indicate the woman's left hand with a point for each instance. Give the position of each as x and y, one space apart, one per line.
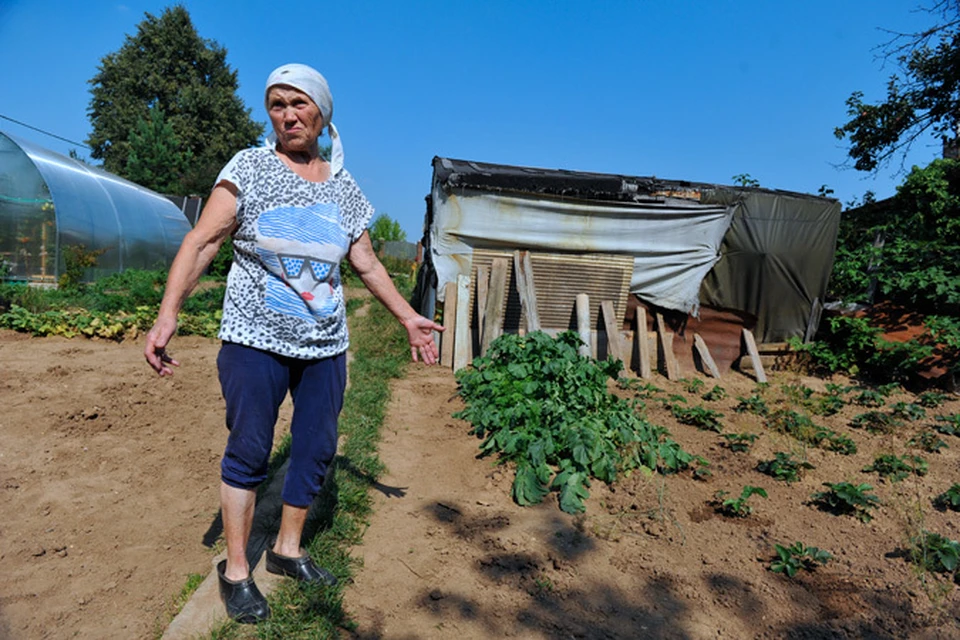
420 335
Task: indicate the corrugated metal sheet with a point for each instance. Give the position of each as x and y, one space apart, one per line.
558 278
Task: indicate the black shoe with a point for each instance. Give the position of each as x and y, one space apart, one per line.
303 569
243 600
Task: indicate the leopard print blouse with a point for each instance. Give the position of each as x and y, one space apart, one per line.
283 290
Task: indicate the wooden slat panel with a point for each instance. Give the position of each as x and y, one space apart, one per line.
560 277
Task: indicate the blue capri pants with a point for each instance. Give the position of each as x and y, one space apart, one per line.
254 384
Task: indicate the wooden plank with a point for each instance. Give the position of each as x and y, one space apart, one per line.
813 321
525 287
667 357
583 323
643 344
614 347
449 324
751 345
461 353
493 311
708 364
483 283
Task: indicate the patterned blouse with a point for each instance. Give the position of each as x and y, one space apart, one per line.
283 290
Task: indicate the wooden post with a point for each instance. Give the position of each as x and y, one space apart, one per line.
643 344
528 295
665 342
813 321
751 345
461 354
583 323
493 312
480 297
614 347
708 364
449 324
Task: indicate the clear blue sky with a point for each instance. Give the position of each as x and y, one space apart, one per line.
698 91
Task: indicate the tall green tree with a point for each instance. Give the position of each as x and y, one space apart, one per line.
924 97
167 66
385 229
156 160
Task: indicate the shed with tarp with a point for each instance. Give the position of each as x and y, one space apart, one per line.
744 256
49 202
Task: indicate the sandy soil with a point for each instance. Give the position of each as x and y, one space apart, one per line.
108 478
448 554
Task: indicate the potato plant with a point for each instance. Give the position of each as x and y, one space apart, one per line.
798 556
934 552
537 402
739 442
895 468
949 499
844 498
784 467
737 507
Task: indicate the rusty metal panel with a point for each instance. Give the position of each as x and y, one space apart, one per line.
558 278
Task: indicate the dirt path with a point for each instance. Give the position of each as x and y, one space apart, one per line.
448 554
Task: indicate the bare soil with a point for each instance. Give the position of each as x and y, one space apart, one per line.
109 501
448 554
109 482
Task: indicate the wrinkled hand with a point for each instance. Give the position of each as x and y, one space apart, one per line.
156 350
420 335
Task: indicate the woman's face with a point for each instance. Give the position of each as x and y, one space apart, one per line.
296 119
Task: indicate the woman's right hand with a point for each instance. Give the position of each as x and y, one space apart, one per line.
156 350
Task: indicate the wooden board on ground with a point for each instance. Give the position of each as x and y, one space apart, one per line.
665 342
525 287
493 314
708 364
614 348
754 355
461 353
583 323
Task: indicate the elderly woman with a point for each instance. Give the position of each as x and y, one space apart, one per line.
294 216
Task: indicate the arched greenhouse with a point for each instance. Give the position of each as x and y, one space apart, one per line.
49 202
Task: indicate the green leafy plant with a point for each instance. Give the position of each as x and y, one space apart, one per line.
798 556
876 422
949 499
950 426
641 388
870 398
737 507
739 442
754 404
714 394
909 411
931 399
844 498
537 402
797 393
76 260
692 385
784 467
929 441
934 552
700 417
896 468
829 404
801 427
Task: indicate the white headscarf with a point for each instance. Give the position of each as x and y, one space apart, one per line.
309 80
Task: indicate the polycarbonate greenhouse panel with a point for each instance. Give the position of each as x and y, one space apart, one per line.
133 226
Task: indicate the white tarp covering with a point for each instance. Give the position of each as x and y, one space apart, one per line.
674 242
